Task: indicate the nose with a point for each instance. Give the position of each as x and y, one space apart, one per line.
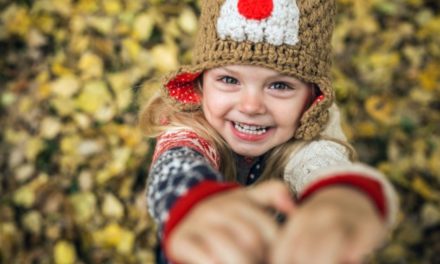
252 102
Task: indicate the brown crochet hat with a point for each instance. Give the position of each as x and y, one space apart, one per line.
292 37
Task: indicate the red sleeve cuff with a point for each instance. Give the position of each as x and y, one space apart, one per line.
184 204
371 187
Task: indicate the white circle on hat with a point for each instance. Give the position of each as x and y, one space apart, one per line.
279 26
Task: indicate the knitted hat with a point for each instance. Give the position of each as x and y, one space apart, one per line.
292 37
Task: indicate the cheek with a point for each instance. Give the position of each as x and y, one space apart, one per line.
211 105
291 115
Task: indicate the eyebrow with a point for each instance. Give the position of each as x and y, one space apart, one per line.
227 69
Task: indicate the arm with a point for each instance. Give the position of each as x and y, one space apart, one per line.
344 208
200 217
172 176
326 163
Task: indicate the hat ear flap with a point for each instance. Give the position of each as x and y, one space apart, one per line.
182 89
316 117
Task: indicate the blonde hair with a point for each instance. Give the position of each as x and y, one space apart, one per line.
159 115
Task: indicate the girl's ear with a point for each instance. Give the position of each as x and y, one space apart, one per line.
318 99
198 83
316 95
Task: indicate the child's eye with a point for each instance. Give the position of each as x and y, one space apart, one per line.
280 86
229 80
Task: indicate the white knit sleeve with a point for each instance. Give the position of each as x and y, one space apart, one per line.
323 159
316 155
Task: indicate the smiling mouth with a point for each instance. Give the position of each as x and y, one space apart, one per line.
250 129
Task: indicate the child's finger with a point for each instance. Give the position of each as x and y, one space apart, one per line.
223 248
190 249
252 227
300 247
261 223
273 194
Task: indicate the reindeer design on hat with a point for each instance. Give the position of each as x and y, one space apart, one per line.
272 21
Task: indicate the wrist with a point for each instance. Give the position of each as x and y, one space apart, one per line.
345 198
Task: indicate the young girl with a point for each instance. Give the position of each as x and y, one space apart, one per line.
251 165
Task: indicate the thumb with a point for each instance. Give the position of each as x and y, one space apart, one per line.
273 194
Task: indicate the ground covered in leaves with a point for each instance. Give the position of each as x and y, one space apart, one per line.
73 74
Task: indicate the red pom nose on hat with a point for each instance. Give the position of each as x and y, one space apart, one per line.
250 10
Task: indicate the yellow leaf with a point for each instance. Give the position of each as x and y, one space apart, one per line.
64 252
124 99
69 144
105 114
366 129
24 196
8 98
25 105
103 25
125 189
380 108
84 205
15 137
63 106
120 158
45 23
82 120
119 81
16 19
44 90
104 175
62 7
131 138
131 49
188 21
78 43
89 147
38 182
143 26
165 58
420 186
429 78
35 39
430 28
112 7
112 207
126 243
32 222
58 69
33 147
434 164
110 236
24 172
91 66
87 6
93 97
65 86
114 236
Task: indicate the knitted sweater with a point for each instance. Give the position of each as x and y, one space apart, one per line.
185 169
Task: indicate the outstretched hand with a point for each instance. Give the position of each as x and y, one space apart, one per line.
336 225
231 227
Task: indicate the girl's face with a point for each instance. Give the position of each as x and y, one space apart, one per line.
253 108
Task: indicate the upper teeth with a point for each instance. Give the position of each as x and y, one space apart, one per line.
257 130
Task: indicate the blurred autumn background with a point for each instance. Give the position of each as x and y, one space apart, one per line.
74 73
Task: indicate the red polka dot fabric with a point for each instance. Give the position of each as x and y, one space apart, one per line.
183 88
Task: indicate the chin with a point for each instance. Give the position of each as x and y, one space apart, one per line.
249 152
